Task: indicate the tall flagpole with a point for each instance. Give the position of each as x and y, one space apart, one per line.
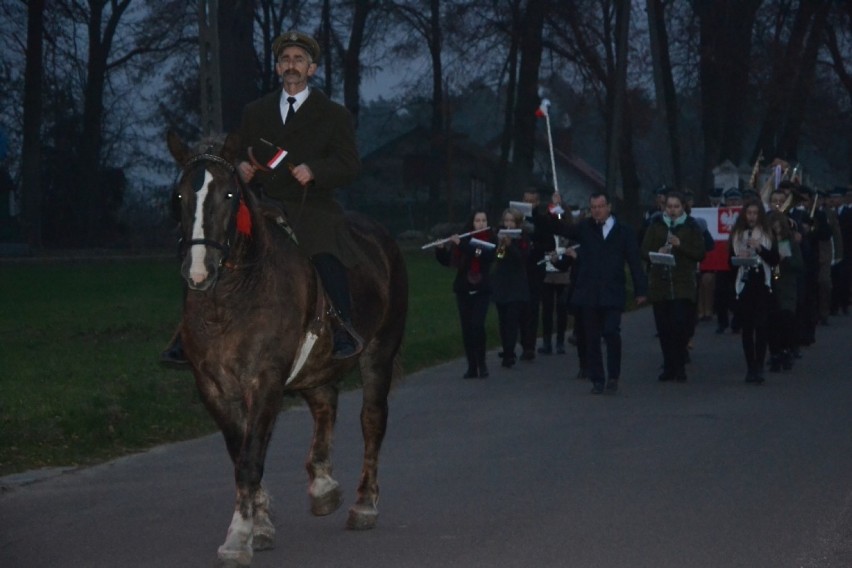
543 111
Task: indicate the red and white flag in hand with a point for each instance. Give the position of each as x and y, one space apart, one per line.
541 111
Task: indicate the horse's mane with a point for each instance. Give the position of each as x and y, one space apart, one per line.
210 143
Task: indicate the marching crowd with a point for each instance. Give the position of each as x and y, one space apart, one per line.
786 269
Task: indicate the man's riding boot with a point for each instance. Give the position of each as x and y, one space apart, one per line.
173 354
347 342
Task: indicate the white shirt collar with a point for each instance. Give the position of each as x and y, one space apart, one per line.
284 106
607 226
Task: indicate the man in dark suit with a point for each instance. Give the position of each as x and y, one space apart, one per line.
599 291
321 155
842 271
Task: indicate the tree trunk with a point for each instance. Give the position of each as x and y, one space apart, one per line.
238 68
31 151
90 190
785 73
501 183
725 53
523 147
352 59
664 83
618 124
210 67
800 92
437 134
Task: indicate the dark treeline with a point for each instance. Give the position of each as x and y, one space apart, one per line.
653 91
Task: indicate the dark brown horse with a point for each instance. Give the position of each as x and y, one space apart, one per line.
256 324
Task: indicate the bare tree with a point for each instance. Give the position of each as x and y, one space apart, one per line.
725 28
31 155
528 99
425 23
793 67
592 35
117 36
664 83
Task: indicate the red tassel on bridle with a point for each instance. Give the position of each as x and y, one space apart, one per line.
243 219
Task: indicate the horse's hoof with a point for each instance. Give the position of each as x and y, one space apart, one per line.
240 558
327 503
362 518
325 494
263 537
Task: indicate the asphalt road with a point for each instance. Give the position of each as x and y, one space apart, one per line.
523 469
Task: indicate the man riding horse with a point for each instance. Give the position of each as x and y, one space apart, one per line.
298 147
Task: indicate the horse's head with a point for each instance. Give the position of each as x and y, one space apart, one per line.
209 202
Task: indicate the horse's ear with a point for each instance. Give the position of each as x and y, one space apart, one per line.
177 148
231 147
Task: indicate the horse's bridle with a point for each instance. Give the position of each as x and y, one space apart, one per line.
229 234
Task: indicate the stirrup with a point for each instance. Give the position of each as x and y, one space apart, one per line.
354 340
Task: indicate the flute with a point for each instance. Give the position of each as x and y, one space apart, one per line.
448 239
546 259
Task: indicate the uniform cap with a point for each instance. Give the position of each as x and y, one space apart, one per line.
298 39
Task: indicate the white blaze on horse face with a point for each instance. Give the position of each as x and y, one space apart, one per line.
198 269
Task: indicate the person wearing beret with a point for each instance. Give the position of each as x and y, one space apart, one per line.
318 137
814 230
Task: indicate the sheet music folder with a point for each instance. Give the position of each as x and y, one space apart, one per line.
745 260
662 258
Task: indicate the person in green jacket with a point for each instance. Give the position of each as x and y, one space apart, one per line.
672 288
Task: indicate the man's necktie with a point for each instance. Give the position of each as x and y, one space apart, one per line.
290 111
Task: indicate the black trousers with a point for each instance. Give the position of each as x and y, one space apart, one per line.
841 275
753 307
582 344
724 299
509 316
674 319
602 323
783 336
554 299
473 308
529 314
336 283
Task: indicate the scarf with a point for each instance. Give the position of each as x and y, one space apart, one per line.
741 248
672 223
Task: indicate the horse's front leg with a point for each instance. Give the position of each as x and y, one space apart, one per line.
324 492
376 375
251 526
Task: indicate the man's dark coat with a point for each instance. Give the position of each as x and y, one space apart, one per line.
600 281
321 135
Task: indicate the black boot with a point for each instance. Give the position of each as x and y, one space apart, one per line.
347 342
786 360
173 354
775 363
546 348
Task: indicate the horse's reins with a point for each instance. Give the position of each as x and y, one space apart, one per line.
226 246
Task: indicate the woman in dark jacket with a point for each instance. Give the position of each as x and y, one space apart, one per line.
511 287
752 241
672 289
472 257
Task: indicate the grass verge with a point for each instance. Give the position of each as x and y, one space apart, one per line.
79 342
